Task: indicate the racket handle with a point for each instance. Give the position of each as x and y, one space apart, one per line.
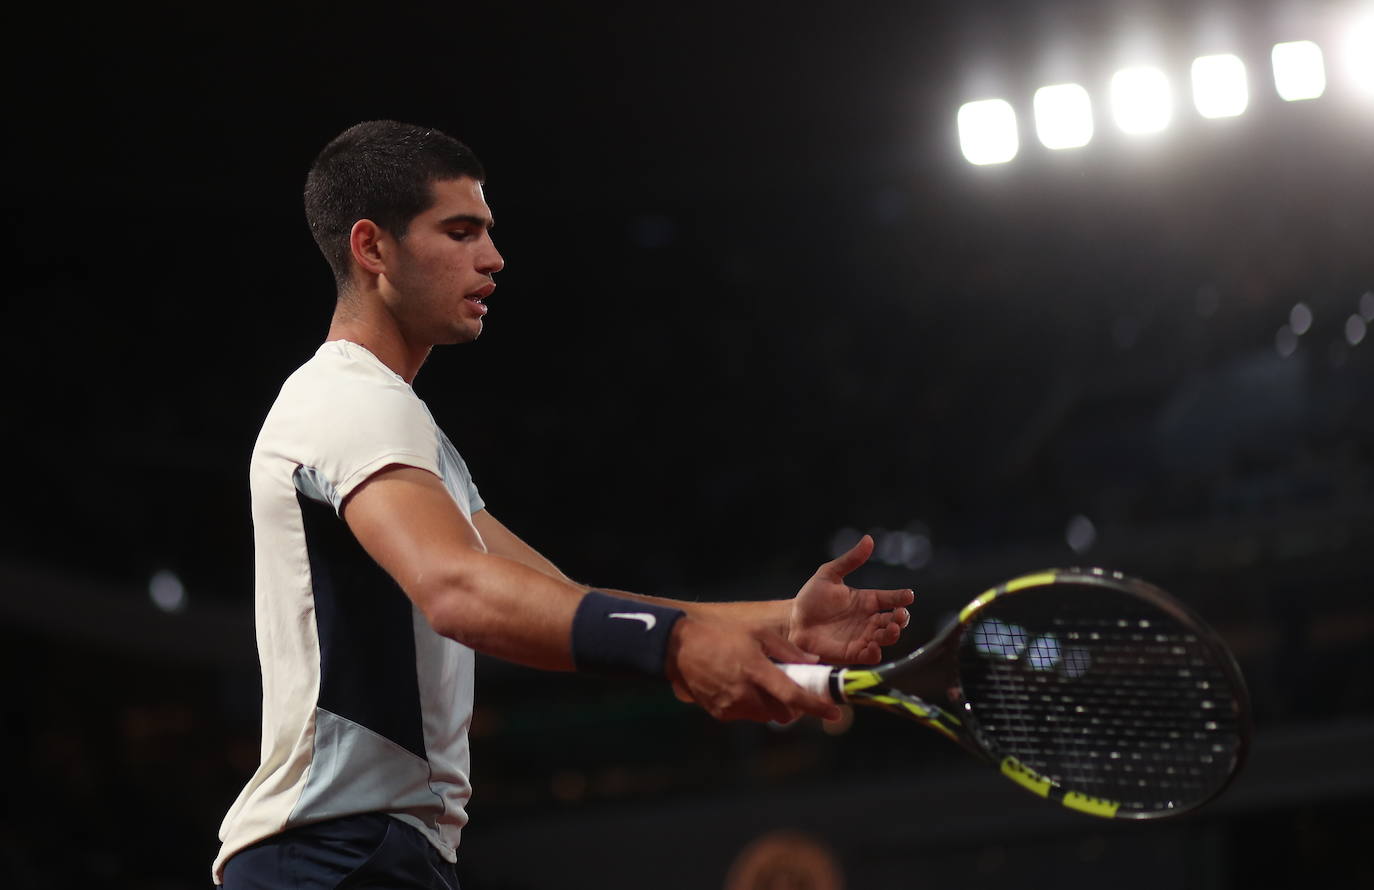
811 677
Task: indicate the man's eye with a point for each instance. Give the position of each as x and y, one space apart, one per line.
459 234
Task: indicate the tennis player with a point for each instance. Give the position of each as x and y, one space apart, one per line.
379 569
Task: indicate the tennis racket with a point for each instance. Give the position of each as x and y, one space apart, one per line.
1091 689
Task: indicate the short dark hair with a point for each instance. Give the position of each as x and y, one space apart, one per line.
382 171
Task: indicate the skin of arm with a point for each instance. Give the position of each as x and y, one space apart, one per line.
516 605
837 623
770 615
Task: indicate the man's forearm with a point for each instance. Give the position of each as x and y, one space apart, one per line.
773 615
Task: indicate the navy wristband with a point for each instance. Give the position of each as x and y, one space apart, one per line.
619 635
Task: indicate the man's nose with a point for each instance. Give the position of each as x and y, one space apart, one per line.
490 262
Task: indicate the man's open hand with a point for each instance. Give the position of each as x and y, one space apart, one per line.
843 624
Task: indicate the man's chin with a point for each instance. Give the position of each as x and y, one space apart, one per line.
465 334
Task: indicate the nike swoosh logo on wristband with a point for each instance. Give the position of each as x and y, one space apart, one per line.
649 620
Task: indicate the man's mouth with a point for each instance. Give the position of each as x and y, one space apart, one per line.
479 297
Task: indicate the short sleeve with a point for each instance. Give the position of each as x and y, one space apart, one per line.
342 420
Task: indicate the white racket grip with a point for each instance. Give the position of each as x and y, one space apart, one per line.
811 677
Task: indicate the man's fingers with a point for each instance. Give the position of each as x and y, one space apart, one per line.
795 698
892 599
777 711
778 689
848 562
782 649
887 635
896 619
809 703
869 654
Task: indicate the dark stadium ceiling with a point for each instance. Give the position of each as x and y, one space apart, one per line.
753 292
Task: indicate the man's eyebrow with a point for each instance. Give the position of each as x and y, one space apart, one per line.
484 222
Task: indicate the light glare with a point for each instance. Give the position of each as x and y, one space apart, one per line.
1043 653
1219 86
902 548
166 591
987 131
1075 662
999 639
1300 318
1359 55
1063 116
1081 534
1299 71
1285 342
1355 330
1141 100
843 541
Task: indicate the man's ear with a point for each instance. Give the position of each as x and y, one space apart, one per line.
365 243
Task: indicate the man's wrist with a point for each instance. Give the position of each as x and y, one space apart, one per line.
618 635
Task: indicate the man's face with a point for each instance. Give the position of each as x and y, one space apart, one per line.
439 275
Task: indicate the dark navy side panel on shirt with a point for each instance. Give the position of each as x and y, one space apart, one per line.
367 640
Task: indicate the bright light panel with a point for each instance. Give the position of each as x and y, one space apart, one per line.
987 131
1063 116
1359 55
1299 71
1141 100
1219 86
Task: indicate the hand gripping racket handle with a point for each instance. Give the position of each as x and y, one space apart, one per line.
814 678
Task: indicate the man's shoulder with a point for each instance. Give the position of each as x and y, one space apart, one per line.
343 376
343 392
343 412
342 362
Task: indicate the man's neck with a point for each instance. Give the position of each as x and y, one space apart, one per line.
380 337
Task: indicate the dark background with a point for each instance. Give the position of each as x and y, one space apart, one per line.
755 302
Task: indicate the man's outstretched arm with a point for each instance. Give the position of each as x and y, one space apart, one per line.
408 523
828 618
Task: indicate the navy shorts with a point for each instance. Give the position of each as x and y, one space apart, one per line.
372 850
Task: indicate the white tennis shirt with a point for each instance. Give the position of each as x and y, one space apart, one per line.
364 707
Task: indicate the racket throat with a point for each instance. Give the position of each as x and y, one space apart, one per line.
930 673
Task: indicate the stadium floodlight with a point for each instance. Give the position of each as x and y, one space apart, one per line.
1299 70
1142 101
987 131
1219 86
1063 116
1359 54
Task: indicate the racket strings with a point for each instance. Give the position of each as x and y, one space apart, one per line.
1104 696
